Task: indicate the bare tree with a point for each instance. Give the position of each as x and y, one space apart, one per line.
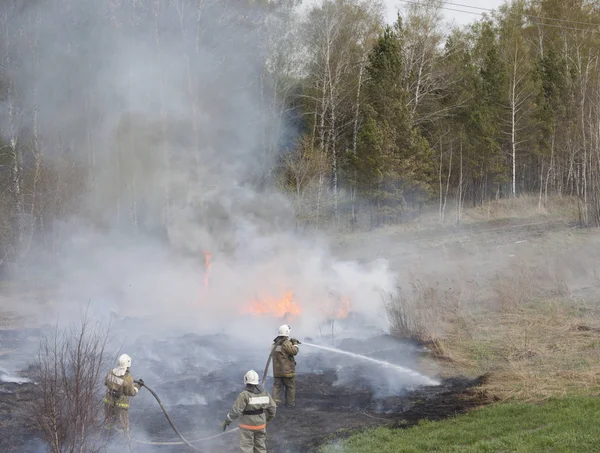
304 167
337 36
12 135
163 115
37 149
282 70
520 87
460 195
424 74
67 406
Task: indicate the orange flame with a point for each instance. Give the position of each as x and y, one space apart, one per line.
273 306
342 308
207 264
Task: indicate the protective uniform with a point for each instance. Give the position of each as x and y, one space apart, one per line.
284 366
254 407
120 387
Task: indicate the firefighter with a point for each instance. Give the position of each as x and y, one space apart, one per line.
284 366
120 387
254 407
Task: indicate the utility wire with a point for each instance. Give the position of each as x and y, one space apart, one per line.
525 15
567 21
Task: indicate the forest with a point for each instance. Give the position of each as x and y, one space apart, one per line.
110 119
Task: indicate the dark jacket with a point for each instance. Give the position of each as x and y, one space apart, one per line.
284 361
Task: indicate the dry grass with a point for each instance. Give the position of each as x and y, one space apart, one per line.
524 207
527 311
533 352
527 281
525 329
423 313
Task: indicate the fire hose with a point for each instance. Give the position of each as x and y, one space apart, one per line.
264 378
185 441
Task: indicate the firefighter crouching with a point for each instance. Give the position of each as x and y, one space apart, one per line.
120 387
254 407
284 366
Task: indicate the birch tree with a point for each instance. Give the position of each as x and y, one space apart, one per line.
520 86
335 32
424 74
11 132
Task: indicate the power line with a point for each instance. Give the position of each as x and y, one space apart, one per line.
567 21
525 15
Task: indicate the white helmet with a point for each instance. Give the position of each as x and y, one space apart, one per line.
251 377
124 361
284 330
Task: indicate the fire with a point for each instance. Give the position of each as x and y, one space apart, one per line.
273 306
342 308
207 264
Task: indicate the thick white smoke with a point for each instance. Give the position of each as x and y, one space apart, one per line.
160 129
171 105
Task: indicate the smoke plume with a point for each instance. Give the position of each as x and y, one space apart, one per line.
170 110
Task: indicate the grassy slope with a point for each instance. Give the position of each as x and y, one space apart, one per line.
560 425
532 352
534 348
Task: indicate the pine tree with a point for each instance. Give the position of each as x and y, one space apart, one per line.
393 161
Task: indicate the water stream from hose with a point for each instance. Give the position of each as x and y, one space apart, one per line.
400 369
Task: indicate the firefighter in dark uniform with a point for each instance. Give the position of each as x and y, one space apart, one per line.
284 354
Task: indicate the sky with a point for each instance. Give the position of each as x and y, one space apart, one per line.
459 11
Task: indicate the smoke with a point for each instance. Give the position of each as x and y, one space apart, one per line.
172 108
160 132
10 378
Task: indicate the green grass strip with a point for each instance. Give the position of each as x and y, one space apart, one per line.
561 425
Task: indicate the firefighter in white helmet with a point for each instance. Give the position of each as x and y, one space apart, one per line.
284 353
120 387
254 407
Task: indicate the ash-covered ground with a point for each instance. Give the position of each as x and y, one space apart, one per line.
198 377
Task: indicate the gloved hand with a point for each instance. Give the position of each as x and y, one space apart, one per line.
225 423
294 341
140 382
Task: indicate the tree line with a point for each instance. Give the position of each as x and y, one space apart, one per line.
416 112
361 124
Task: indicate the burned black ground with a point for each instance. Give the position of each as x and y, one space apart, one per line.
326 413
335 395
